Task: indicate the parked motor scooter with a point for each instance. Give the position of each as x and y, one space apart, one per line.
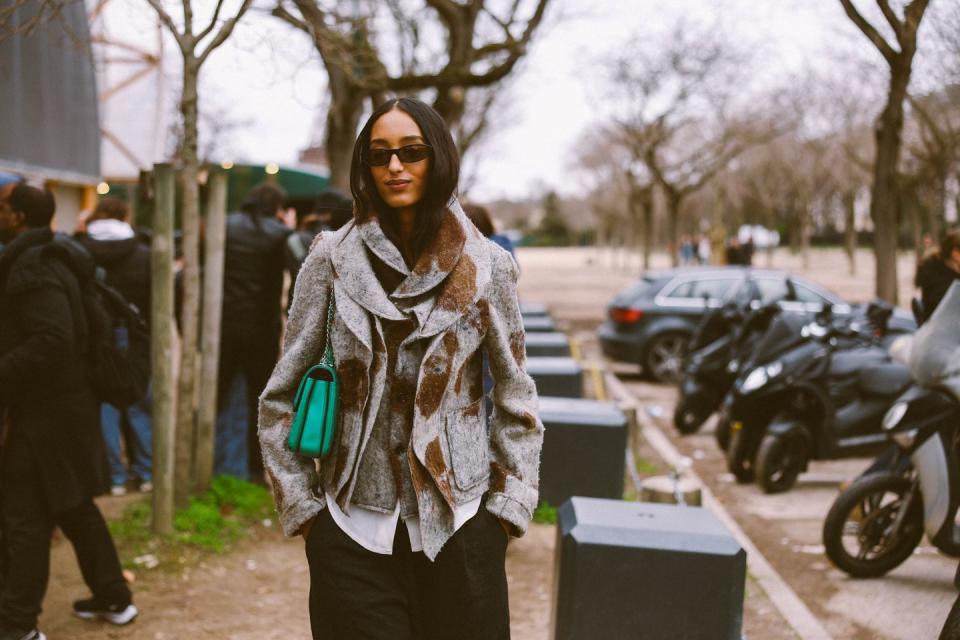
822 399
876 522
707 375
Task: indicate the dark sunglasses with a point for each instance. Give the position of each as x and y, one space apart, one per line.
409 153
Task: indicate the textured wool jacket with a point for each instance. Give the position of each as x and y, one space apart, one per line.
463 294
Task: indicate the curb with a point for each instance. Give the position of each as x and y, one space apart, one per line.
787 602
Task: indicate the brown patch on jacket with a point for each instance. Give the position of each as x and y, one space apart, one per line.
437 373
473 410
518 347
529 420
353 384
498 477
340 466
437 468
446 246
475 390
460 287
417 473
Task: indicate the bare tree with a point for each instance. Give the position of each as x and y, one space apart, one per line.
195 46
888 129
482 47
679 118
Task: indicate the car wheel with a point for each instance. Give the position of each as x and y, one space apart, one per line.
664 359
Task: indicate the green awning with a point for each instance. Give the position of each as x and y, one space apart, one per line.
300 184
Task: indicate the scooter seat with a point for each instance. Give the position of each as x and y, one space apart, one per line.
884 379
847 363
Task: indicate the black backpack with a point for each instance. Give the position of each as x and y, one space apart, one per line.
118 344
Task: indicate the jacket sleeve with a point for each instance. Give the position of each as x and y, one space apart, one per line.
294 478
46 320
516 433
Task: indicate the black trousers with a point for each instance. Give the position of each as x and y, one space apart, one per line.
361 595
27 528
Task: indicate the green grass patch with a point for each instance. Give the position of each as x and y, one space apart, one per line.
215 520
545 514
648 468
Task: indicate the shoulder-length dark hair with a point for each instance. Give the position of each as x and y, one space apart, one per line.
441 180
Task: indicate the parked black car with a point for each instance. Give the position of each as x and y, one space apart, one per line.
650 322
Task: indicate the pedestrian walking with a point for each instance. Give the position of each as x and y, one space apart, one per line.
938 270
406 522
53 462
125 258
256 238
483 221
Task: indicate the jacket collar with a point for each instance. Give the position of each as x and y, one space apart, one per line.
448 277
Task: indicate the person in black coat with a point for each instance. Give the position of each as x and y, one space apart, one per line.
938 270
250 330
53 462
125 258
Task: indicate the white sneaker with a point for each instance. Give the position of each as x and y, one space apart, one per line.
146 487
118 490
114 614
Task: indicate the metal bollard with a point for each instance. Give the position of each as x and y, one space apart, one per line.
641 570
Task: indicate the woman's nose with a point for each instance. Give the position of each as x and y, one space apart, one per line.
395 165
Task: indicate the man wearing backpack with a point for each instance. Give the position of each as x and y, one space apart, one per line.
125 258
52 462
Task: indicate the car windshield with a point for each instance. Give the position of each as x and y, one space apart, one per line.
935 351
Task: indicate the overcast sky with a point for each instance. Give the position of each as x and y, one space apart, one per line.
268 81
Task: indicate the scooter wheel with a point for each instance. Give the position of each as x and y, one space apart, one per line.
856 532
722 434
739 460
686 418
780 460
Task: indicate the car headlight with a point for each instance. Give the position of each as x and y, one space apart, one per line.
894 415
774 369
755 379
905 439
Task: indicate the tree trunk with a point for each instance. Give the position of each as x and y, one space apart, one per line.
214 246
646 204
343 119
938 213
850 229
163 373
190 219
804 228
883 201
674 201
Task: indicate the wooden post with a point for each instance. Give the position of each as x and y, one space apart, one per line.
161 338
214 247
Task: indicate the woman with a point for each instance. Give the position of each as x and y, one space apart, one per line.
406 523
938 270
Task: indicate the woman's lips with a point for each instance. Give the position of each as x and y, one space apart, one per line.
398 185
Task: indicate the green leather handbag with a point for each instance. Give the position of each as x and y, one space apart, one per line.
315 405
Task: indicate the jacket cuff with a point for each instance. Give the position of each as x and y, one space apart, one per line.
514 505
296 515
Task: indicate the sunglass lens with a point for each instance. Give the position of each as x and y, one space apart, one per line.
378 157
413 153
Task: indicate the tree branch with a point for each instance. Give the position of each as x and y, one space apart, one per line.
168 23
892 19
868 30
224 32
213 22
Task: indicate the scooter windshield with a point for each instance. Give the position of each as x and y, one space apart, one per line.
783 333
934 352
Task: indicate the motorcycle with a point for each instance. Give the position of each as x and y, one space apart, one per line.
822 399
876 523
707 375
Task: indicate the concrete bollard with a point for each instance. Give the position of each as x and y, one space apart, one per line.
561 377
583 449
533 324
663 490
533 309
547 344
640 570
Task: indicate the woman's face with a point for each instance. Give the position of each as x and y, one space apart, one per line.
401 185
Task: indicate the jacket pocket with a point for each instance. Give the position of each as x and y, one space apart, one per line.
469 446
